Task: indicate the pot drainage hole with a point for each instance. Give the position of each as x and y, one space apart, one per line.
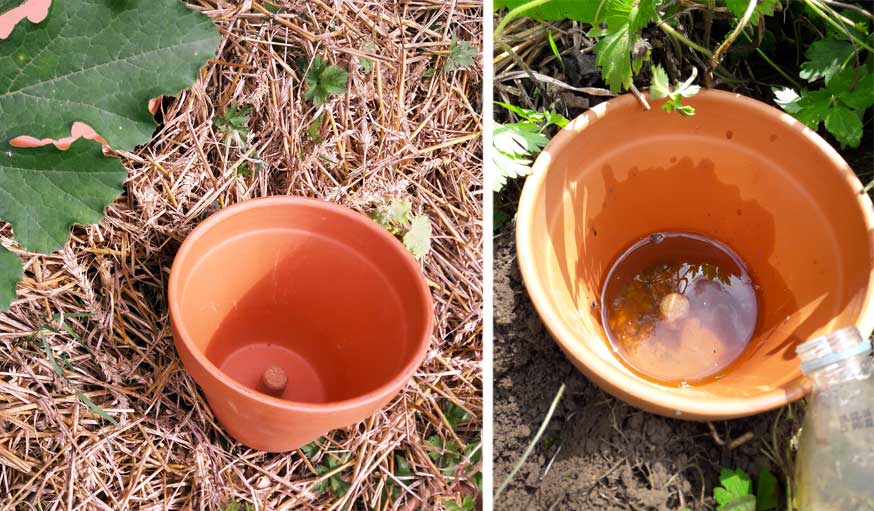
678 308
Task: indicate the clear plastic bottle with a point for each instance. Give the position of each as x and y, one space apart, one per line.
835 463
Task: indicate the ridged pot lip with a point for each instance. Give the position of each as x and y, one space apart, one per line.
183 340
642 393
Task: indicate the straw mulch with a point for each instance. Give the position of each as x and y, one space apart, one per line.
97 310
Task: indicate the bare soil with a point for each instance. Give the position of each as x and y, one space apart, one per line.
599 453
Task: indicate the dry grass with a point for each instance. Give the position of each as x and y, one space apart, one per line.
399 132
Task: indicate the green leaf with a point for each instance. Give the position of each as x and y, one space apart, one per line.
11 272
467 504
813 107
324 81
766 491
764 8
583 11
743 503
862 97
660 86
234 124
418 237
787 98
454 414
614 58
625 19
845 125
393 216
313 448
735 494
521 138
461 55
99 63
96 62
236 505
825 57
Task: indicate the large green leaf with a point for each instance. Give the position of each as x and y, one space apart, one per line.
98 62
582 11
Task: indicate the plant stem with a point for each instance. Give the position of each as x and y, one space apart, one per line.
530 448
515 13
851 7
815 7
868 187
680 37
720 51
773 64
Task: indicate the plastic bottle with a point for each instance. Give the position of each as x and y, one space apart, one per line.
835 463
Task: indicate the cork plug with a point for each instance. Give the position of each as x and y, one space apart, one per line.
273 381
674 306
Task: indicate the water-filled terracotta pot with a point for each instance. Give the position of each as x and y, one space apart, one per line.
310 291
739 172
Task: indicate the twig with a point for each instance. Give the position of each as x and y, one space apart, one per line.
530 448
640 97
720 51
592 91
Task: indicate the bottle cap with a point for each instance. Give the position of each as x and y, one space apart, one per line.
831 348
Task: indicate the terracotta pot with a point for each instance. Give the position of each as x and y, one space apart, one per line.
739 172
315 291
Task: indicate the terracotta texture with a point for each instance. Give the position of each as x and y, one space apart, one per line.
305 288
739 172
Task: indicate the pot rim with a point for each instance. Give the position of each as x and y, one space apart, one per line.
620 380
374 396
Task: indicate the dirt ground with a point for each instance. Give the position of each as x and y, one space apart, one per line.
599 453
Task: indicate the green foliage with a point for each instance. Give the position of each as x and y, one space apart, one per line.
467 504
625 19
454 414
324 81
313 448
825 58
840 104
582 11
236 505
335 483
234 124
736 491
364 63
763 8
516 144
461 55
413 230
96 63
402 470
661 88
766 491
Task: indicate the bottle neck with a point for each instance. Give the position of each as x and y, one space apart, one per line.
854 368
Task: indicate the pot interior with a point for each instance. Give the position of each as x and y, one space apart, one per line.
316 293
732 173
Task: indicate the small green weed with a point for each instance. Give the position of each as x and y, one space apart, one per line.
234 125
461 55
401 470
736 491
517 144
335 482
661 88
236 505
413 230
323 81
467 504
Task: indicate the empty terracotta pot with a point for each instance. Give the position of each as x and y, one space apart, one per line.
296 316
739 172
